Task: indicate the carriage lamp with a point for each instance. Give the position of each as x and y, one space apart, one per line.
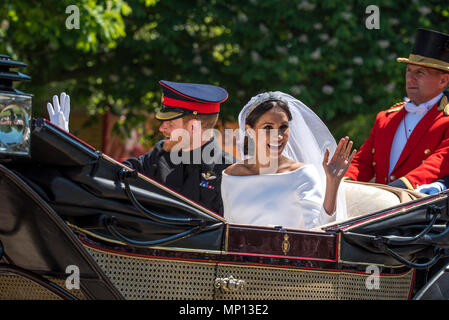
15 110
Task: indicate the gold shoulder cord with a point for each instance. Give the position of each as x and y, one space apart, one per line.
444 106
396 107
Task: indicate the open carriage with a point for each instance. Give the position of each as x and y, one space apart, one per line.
68 210
76 224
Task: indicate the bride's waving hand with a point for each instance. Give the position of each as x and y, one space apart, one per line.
335 170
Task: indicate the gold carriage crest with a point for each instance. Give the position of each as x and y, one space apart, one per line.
285 244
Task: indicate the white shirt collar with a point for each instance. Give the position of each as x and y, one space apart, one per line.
423 107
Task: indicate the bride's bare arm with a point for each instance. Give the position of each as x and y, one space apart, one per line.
335 170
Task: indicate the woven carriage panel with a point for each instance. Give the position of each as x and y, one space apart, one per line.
296 284
149 278
279 284
354 287
156 279
13 287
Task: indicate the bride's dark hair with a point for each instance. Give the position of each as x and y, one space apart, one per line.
254 115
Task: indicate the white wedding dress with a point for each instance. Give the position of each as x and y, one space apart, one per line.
292 199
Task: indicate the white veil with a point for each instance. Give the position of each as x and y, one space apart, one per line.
309 137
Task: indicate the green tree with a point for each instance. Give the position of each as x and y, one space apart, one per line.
319 51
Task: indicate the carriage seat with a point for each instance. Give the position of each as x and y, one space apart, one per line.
363 197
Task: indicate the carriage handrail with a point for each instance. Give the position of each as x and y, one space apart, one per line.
397 240
123 175
110 225
439 253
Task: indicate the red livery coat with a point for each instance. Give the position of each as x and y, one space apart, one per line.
424 159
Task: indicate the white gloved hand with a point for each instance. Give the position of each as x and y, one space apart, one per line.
432 188
59 113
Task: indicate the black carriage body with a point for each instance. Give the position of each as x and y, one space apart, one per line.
131 237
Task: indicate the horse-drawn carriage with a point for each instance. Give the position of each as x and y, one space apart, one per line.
76 224
69 207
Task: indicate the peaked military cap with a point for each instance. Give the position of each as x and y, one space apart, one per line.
180 99
431 49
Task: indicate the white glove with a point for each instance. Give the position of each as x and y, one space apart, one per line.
59 113
431 188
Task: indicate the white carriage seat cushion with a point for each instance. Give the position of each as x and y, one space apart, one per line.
363 198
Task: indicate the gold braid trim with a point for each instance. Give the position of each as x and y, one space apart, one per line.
425 62
407 183
444 106
396 107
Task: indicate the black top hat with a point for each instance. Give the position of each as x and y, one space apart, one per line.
431 50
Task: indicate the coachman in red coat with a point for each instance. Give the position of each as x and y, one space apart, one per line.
409 143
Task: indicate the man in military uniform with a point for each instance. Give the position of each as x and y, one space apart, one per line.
193 167
189 160
409 144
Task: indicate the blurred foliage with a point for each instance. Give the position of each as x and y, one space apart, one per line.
319 51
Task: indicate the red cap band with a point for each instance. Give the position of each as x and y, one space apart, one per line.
193 106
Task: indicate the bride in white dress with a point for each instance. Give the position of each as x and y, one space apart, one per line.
285 177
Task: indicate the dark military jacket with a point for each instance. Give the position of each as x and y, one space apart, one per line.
195 174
